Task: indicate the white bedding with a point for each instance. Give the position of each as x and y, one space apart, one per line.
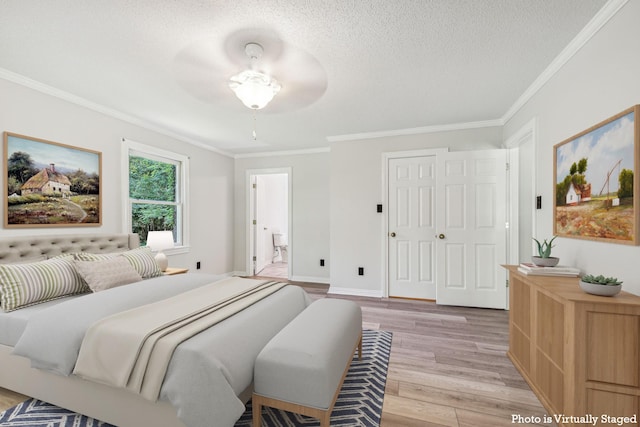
13 324
138 359
206 374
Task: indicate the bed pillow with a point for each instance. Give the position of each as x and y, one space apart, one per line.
32 283
141 259
108 273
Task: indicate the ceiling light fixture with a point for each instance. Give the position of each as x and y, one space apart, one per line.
254 88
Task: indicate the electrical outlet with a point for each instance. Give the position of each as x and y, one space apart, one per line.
321 263
198 265
360 271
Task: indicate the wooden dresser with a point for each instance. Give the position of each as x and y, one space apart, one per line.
580 353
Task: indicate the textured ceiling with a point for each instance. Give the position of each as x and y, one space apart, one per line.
346 66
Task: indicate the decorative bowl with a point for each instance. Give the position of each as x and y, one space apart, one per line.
545 262
603 290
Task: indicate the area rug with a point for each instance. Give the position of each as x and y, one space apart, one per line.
359 403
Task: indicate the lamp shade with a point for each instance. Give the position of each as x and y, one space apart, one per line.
159 241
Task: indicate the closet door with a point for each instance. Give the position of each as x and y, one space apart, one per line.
471 228
411 225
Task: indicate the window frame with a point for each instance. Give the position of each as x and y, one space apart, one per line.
181 161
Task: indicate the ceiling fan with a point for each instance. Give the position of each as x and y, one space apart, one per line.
211 71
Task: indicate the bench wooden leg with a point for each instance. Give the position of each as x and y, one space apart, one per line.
256 408
323 415
325 420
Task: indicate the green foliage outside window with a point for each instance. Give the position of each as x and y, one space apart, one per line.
152 186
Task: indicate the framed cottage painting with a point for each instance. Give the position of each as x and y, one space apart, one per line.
596 181
48 184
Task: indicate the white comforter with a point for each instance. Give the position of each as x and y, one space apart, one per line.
206 373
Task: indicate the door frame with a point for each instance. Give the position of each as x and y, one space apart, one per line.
526 134
386 156
250 212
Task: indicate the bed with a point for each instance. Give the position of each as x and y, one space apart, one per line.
209 377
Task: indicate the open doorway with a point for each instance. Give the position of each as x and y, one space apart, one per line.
270 224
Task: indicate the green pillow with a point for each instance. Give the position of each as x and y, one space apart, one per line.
32 283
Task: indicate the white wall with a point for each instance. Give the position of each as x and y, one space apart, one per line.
309 239
32 113
601 80
356 189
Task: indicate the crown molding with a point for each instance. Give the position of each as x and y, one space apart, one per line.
593 26
283 153
415 131
597 22
82 102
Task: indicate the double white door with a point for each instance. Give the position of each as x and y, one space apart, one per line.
446 224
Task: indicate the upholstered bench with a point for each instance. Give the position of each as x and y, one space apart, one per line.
302 368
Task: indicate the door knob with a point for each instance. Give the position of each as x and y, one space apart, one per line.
392 234
440 236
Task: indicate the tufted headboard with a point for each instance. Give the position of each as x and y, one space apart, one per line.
34 248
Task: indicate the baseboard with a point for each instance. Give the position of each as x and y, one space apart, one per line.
355 292
310 279
235 273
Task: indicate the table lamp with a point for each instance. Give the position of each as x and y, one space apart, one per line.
159 241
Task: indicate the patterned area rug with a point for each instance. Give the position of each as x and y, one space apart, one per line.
359 403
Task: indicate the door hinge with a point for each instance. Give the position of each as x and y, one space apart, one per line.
506 283
507 165
254 258
254 185
254 222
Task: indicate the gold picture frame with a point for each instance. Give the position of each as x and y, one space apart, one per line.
596 181
49 184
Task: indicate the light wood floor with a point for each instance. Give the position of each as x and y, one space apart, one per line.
277 270
448 365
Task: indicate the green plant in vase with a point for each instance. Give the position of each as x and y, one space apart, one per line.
544 258
600 285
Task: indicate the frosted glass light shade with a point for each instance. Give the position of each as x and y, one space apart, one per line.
254 89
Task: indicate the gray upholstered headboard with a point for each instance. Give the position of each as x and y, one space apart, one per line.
25 248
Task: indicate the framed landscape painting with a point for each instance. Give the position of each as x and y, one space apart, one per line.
48 184
596 181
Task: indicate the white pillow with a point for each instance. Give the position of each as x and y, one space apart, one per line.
108 273
141 259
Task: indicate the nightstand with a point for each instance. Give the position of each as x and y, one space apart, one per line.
170 271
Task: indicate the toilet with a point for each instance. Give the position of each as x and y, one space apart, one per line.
280 247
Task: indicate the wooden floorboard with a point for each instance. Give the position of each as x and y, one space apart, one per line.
448 365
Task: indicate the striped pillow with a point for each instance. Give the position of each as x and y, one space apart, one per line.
141 259
32 283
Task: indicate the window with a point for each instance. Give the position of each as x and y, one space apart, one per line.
155 191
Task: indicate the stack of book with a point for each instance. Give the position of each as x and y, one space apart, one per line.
559 270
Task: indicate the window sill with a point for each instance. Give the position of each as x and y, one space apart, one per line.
177 250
